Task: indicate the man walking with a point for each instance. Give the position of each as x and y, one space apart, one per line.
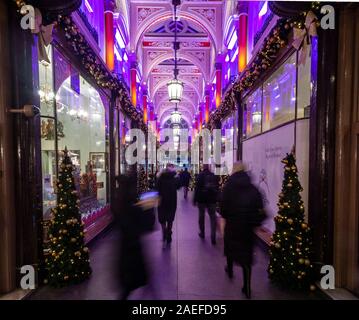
205 196
185 178
167 186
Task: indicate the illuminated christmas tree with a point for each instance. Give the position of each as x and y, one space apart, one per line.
142 181
68 260
290 247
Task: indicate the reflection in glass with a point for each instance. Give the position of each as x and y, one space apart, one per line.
279 95
82 116
304 87
252 121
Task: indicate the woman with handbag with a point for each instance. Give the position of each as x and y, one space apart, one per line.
242 208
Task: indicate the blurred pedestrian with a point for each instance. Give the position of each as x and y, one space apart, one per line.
132 222
167 185
242 208
205 197
185 179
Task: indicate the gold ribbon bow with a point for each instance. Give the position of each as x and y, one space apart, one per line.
45 36
302 36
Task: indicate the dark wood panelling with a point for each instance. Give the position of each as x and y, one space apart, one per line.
27 158
322 143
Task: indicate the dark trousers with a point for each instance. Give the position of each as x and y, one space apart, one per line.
211 209
167 231
246 275
185 192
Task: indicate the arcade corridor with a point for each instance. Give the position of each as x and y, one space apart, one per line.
192 269
103 102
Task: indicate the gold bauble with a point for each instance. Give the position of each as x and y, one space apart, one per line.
312 287
73 240
277 245
304 226
301 260
46 281
289 185
66 278
307 262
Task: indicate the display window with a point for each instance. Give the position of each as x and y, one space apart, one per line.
253 116
279 95
304 87
283 97
75 119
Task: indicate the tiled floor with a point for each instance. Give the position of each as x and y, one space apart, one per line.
191 269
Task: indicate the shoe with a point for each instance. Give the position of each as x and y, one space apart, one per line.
247 292
169 238
229 272
201 235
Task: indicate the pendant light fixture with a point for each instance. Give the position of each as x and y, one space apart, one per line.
175 87
176 116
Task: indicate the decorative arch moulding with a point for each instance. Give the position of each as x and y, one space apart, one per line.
146 12
184 13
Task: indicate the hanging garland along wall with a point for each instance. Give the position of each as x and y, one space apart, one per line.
94 66
98 71
302 26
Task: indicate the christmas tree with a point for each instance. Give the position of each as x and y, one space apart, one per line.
68 260
142 181
290 247
192 182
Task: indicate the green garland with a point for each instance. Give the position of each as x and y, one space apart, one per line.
264 60
95 67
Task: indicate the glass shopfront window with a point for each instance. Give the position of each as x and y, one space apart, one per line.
79 116
279 95
283 97
304 87
252 121
48 133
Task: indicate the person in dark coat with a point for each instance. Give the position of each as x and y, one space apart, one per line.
167 185
129 219
185 179
242 208
205 197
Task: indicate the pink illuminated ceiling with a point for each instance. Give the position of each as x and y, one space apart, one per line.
151 42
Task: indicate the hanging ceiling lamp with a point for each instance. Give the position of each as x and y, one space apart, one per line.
175 87
176 116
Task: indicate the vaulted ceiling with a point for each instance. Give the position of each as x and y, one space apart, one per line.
200 35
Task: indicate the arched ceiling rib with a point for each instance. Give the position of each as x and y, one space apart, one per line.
200 36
